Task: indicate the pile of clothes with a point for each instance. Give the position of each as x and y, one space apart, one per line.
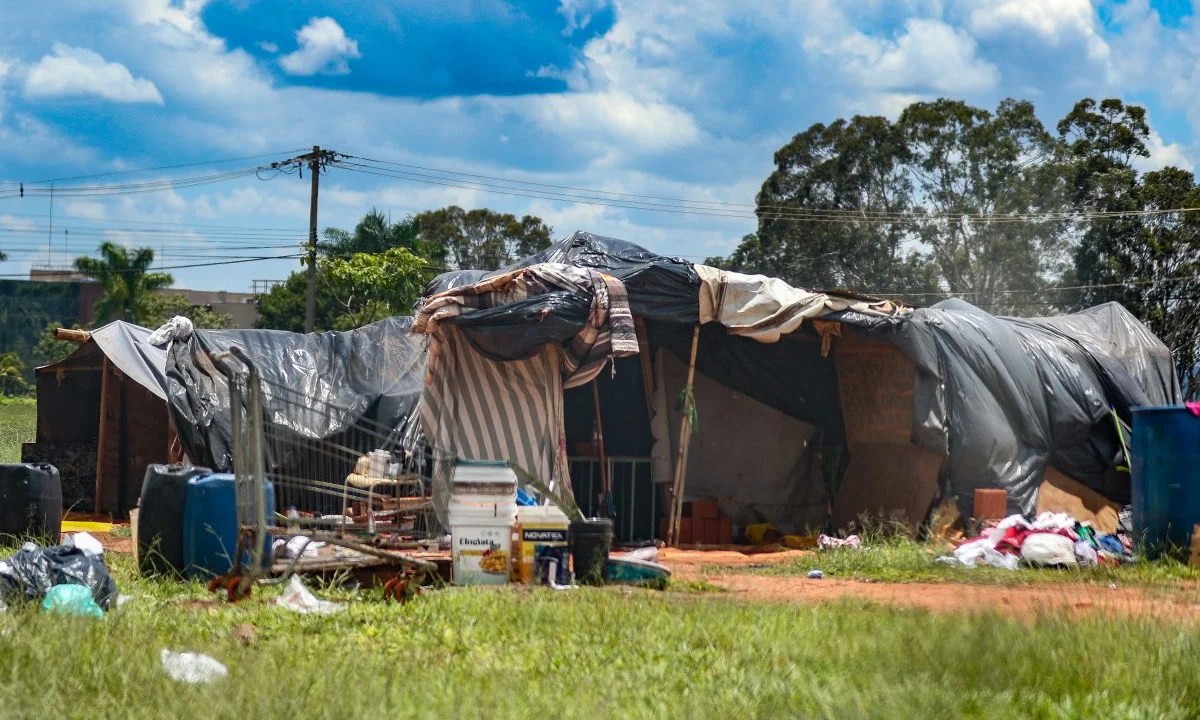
1051 539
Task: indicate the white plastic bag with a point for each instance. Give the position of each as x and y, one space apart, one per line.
192 668
1042 548
298 599
85 542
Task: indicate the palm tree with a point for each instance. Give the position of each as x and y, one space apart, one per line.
127 284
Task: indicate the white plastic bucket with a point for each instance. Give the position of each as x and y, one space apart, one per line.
481 541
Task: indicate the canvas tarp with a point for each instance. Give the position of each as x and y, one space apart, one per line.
766 308
477 408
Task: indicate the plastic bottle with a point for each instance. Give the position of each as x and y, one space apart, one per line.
293 517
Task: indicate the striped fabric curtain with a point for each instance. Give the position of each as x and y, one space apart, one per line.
475 408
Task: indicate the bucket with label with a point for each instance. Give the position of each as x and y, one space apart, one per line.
542 536
481 509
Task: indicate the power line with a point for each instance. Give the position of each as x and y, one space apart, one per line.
191 265
712 208
199 163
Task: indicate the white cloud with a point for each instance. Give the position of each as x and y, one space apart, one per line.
267 46
324 50
648 125
928 55
79 72
577 14
1162 154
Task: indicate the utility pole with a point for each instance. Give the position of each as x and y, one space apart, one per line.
317 160
310 295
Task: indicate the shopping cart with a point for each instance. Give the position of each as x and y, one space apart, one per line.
275 465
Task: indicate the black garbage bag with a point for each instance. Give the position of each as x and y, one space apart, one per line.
33 570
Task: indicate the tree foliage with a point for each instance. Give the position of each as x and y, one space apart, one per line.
382 267
372 286
900 207
12 375
479 239
128 283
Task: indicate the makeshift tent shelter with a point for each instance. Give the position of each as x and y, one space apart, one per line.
101 417
113 406
806 405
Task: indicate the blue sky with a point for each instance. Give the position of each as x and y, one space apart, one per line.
665 99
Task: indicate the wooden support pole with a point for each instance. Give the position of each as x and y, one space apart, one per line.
101 442
79 336
685 438
601 456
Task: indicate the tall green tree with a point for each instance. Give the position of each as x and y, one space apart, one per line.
817 211
906 207
282 307
373 286
375 233
980 175
479 239
127 280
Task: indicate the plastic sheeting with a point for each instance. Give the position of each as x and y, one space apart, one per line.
1001 398
1004 397
317 386
126 347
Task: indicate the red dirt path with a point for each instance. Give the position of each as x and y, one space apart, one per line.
1181 603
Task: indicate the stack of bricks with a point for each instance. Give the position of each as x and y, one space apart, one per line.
702 524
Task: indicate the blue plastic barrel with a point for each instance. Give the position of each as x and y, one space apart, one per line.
210 526
1166 477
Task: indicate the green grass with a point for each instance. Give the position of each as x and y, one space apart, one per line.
510 653
900 560
18 418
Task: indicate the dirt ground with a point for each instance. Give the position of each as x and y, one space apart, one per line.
1023 601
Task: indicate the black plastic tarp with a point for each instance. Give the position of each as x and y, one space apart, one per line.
320 386
1004 397
1001 397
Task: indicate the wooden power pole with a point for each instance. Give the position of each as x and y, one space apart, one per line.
310 295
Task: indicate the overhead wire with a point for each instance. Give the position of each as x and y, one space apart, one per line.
133 171
711 208
190 266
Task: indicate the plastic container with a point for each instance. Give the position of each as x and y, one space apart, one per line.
590 542
210 525
1166 477
542 533
159 540
481 510
30 503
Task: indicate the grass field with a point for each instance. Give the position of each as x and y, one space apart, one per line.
18 418
588 653
585 653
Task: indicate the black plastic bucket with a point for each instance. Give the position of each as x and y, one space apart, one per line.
590 541
30 503
160 520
